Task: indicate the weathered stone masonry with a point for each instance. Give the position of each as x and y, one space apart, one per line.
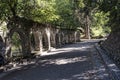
38 37
112 46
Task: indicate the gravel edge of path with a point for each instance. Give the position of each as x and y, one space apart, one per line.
112 69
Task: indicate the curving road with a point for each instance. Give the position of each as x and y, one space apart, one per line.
79 61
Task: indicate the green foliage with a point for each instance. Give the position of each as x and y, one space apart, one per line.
4 10
37 10
69 14
16 48
69 11
16 41
113 7
64 9
99 24
44 11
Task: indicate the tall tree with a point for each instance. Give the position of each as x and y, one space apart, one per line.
113 7
37 10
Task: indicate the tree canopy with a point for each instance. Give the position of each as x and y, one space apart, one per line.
70 14
113 8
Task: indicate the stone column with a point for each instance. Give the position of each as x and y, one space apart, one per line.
59 38
48 38
40 42
78 36
75 36
53 43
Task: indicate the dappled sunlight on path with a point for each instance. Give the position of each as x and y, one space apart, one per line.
68 48
71 62
65 61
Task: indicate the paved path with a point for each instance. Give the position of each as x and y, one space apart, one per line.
78 61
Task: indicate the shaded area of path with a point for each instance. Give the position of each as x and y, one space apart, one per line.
78 61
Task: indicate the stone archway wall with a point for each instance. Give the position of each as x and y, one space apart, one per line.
77 35
45 40
36 40
62 38
23 37
44 36
58 40
70 36
37 35
53 37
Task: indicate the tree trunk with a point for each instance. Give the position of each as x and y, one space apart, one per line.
87 28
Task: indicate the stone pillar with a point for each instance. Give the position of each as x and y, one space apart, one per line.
53 43
78 36
75 36
25 36
48 38
8 49
59 38
40 42
66 38
62 38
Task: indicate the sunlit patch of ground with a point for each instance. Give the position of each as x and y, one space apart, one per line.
64 61
71 62
66 49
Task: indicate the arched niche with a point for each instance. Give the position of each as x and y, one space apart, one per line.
35 41
58 39
25 46
52 39
45 41
32 40
62 37
78 35
16 45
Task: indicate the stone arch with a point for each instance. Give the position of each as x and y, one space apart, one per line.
52 39
62 38
36 40
66 37
70 34
46 38
42 35
73 37
32 41
58 38
45 41
24 42
78 35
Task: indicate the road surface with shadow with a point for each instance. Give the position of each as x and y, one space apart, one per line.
78 61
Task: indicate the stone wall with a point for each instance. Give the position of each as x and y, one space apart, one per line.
112 46
39 37
35 37
47 37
